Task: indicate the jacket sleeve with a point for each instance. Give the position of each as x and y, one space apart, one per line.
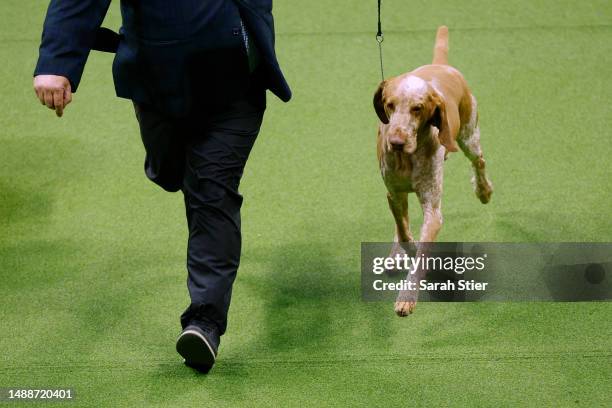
68 35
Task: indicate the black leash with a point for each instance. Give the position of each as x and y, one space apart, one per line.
379 39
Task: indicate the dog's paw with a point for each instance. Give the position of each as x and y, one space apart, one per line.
483 190
403 309
407 299
482 184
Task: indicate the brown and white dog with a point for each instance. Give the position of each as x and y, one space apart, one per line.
425 114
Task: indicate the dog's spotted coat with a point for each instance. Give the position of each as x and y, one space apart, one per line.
425 114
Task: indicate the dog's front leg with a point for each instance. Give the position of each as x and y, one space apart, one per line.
432 223
430 198
398 204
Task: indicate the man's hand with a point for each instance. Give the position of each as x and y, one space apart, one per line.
53 91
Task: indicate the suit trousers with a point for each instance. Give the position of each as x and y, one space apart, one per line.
203 155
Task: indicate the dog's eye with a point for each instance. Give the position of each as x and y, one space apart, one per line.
417 108
390 106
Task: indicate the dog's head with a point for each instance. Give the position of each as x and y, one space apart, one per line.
408 105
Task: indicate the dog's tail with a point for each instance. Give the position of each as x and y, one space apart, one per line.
440 52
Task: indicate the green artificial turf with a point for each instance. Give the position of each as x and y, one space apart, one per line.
92 275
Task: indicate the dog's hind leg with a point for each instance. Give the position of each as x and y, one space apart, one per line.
469 142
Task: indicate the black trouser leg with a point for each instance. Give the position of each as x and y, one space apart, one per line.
164 140
204 155
215 158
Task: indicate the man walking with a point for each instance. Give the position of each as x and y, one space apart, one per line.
197 71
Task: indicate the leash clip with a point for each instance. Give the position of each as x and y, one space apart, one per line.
380 38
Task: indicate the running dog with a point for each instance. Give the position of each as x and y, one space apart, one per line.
424 115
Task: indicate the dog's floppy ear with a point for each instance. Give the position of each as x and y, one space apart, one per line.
446 119
379 105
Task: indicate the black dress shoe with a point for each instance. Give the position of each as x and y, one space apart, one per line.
198 346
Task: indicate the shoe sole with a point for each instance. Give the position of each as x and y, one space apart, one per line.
195 349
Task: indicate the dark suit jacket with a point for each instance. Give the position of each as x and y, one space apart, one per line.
171 52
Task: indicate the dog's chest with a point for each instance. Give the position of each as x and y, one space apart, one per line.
412 172
397 169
